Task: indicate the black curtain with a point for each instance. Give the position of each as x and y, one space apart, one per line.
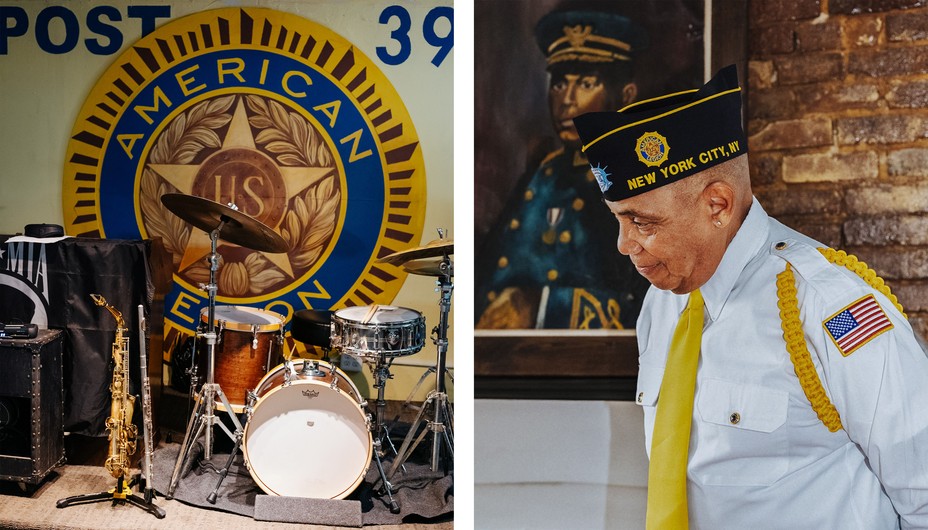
62 275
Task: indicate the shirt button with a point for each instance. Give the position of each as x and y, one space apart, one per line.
640 397
780 246
735 418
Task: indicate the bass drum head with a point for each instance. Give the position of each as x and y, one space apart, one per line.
307 440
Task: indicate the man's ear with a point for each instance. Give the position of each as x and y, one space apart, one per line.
629 93
719 196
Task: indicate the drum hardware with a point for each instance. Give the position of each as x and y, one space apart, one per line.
311 369
424 267
429 371
380 430
442 423
236 227
193 373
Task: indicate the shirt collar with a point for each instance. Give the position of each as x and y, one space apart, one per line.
747 243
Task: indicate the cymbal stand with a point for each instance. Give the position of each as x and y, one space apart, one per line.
442 424
429 371
194 373
203 417
381 374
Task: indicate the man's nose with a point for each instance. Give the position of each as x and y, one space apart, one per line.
626 244
570 94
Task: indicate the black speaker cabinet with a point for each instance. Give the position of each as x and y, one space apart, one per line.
31 407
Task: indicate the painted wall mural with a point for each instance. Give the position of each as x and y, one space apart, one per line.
271 112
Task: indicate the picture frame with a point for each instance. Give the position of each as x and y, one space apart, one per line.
697 37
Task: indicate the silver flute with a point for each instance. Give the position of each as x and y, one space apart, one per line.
146 409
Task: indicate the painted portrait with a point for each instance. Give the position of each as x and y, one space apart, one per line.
545 243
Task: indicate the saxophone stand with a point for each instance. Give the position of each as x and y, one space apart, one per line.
121 494
441 426
203 418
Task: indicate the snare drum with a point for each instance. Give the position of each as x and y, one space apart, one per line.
307 435
372 330
248 343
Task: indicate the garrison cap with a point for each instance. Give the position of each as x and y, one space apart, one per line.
661 140
588 36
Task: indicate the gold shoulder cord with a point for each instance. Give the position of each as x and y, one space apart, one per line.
795 338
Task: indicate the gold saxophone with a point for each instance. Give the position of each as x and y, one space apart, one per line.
122 432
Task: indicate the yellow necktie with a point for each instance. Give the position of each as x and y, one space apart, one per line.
670 442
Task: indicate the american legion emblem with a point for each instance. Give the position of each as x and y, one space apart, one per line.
652 149
276 114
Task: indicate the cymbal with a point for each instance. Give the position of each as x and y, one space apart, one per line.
239 228
436 248
424 267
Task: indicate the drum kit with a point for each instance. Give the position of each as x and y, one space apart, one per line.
304 403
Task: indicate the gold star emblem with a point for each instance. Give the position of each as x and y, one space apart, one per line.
241 174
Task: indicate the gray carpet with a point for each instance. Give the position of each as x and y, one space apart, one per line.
423 495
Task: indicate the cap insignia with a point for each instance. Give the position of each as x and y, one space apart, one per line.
577 35
652 149
601 177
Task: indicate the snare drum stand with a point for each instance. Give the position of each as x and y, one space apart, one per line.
442 425
203 417
381 374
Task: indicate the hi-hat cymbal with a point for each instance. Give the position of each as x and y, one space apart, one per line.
425 267
436 248
239 228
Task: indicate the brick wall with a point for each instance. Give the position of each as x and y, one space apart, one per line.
837 109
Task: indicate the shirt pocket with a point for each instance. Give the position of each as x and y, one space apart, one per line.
649 384
741 438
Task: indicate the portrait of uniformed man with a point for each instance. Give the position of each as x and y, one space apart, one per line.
548 263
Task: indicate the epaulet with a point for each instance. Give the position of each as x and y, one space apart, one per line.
804 258
798 253
810 261
551 156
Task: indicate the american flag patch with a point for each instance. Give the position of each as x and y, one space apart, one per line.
857 324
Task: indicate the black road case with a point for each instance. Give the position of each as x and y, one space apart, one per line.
31 407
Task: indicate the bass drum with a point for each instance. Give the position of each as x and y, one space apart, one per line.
307 437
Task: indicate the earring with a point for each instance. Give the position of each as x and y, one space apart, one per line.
718 223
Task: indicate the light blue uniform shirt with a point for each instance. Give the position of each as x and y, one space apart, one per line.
759 456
